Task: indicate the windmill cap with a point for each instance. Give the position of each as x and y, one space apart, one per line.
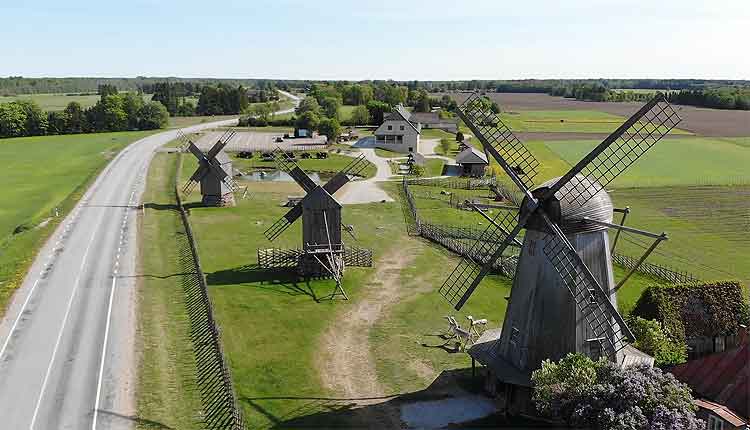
566 209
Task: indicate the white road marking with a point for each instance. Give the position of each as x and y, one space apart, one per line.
62 329
104 352
18 318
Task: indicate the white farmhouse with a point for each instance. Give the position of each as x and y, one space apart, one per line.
398 133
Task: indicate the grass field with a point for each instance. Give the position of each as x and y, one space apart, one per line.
43 173
331 165
168 394
54 101
291 316
675 162
57 102
574 121
185 121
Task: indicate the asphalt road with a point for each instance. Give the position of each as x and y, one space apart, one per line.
66 342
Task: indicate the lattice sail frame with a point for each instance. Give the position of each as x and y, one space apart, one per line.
612 157
205 161
499 136
288 165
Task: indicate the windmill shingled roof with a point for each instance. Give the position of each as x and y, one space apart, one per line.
721 377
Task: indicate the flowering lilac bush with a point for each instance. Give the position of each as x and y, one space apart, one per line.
600 394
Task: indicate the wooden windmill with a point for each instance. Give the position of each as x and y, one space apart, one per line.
563 296
323 252
214 172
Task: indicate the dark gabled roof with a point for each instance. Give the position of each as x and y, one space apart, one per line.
471 155
721 377
400 113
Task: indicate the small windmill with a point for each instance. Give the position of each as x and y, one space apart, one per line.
563 296
323 252
214 172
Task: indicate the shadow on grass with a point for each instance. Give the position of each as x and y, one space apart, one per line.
141 422
160 207
383 412
282 281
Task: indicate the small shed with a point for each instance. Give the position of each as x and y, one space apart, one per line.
472 161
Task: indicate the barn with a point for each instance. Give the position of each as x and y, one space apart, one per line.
473 162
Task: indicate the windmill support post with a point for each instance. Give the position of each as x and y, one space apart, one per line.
625 213
643 258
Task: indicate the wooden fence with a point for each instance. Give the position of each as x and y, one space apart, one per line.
461 239
278 258
220 407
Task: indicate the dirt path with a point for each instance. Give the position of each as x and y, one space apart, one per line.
347 367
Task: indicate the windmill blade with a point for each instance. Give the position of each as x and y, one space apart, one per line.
498 139
221 143
618 151
357 166
283 223
288 165
470 271
196 151
592 301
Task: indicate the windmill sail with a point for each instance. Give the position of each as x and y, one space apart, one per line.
621 149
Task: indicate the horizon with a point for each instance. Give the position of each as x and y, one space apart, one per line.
425 41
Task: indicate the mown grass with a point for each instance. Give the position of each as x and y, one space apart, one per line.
574 121
54 102
43 173
331 165
707 227
167 392
271 324
674 162
185 121
388 154
434 167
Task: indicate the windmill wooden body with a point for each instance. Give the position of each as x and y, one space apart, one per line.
323 253
563 297
214 173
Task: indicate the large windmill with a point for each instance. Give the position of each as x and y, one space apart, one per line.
214 172
563 296
323 252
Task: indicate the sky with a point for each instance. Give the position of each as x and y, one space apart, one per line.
383 39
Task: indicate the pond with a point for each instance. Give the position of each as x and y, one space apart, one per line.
279 176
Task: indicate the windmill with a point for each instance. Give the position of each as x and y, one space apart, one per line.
563 296
214 172
323 252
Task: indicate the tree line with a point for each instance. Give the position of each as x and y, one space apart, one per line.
212 100
723 98
113 112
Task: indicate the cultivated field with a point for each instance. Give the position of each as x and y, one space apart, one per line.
564 121
44 173
674 162
699 121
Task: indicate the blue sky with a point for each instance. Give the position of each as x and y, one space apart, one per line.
384 39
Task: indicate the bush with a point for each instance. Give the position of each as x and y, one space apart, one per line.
600 394
652 339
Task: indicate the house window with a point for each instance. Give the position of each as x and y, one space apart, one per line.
390 127
402 128
715 423
400 138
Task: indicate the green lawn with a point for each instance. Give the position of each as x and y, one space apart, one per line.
675 162
707 228
167 392
578 121
331 165
271 324
388 154
43 173
434 167
185 121
57 102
